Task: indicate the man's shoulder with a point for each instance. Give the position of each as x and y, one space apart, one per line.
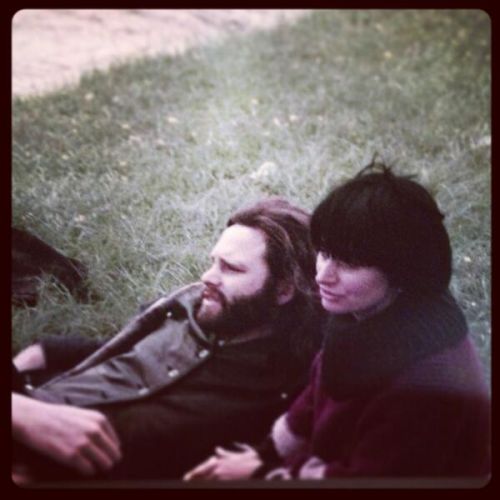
186 296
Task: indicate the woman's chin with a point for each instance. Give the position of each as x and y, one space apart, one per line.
333 306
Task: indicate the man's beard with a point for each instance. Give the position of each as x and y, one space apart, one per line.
244 314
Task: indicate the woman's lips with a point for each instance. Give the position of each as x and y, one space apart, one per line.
329 295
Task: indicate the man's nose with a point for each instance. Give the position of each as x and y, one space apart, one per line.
211 276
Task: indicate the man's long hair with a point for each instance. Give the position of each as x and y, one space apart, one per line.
291 259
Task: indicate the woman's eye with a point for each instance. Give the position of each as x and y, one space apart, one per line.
345 265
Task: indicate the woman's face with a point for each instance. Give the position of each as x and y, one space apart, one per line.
357 290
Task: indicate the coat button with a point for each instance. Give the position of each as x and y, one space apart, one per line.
203 353
169 314
284 395
143 391
28 387
173 373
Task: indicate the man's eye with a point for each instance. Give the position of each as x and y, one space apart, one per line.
228 267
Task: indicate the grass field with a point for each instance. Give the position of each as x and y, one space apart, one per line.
136 169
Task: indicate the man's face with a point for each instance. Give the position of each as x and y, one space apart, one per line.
239 292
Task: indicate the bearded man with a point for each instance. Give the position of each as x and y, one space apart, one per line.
212 363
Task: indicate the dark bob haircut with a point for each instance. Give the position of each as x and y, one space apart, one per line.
379 219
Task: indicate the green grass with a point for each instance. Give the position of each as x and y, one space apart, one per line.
136 169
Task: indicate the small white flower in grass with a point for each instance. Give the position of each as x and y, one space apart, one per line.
122 163
172 119
89 96
80 218
293 118
424 174
125 126
65 157
473 304
265 171
277 122
388 54
467 259
160 142
483 141
254 101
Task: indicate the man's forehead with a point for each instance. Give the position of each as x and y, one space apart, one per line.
240 242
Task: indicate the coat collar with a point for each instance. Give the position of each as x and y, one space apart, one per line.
182 301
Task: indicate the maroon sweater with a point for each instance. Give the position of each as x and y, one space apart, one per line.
406 415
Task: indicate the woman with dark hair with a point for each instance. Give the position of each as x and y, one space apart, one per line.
397 389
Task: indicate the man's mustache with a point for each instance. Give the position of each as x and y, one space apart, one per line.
211 292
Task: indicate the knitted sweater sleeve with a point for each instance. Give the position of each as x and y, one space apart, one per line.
283 445
300 416
289 434
409 433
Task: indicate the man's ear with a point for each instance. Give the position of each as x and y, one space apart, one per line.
285 292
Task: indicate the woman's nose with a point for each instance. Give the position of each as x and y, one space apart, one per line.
326 271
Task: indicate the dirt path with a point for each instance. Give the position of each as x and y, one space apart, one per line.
53 47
